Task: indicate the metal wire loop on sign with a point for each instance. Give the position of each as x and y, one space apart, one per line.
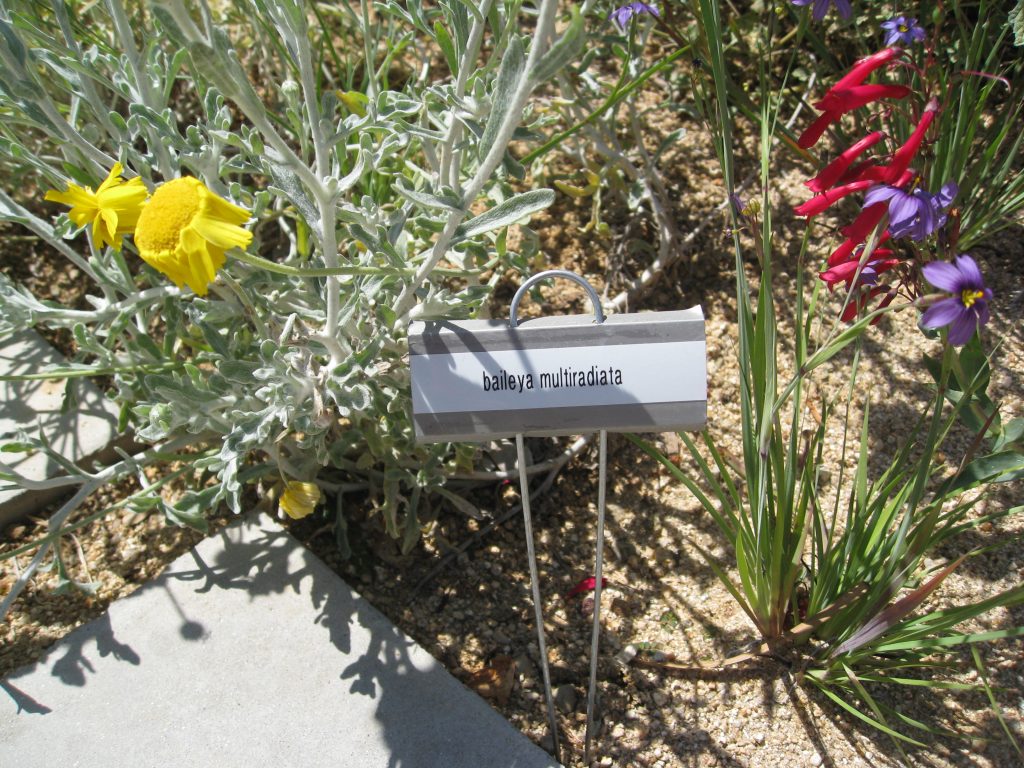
524 490
513 313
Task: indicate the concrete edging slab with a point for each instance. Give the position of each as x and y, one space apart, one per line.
249 648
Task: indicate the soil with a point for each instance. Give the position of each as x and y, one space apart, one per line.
662 597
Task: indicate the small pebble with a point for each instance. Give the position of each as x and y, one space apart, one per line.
566 698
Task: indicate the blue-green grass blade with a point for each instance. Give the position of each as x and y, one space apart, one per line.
725 498
930 644
823 687
993 704
724 523
723 468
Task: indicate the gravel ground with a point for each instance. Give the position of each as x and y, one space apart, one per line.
477 618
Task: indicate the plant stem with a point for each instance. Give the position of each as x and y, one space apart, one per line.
513 116
449 172
613 99
96 481
285 269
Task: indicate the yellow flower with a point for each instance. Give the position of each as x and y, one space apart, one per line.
185 229
354 101
299 499
113 209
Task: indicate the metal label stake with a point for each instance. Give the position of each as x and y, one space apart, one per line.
524 491
538 612
482 379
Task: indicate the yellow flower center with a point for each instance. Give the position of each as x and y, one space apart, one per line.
903 28
171 209
968 297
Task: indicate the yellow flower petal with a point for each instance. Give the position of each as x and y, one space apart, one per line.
221 233
219 208
74 196
112 180
109 218
299 499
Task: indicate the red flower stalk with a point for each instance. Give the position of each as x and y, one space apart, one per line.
834 171
851 172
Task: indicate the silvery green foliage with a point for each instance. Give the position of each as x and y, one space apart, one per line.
304 370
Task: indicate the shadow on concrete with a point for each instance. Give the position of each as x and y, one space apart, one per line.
251 628
72 666
24 702
423 716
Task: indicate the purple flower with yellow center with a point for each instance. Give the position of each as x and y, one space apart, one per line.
914 214
966 309
621 16
821 7
902 30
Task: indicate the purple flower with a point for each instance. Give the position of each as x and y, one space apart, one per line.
621 16
737 204
902 30
821 7
915 214
966 310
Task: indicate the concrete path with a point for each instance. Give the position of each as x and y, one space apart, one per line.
82 433
247 652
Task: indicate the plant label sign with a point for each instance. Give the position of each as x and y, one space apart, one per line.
484 379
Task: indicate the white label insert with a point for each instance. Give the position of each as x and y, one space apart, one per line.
611 374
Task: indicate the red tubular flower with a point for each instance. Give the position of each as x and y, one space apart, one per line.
843 252
846 91
860 70
835 170
902 157
837 103
846 271
815 130
819 203
856 305
587 585
866 221
846 100
859 172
